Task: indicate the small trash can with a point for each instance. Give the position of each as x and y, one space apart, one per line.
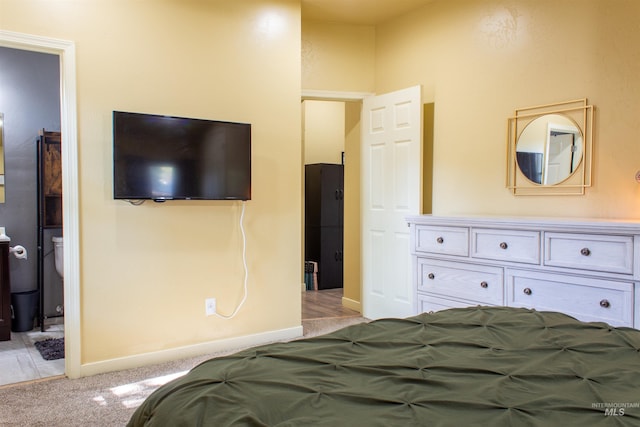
24 306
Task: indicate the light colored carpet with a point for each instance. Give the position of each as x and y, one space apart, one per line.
108 399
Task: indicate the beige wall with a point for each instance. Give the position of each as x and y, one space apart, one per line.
146 270
428 112
479 60
351 297
341 58
323 131
338 57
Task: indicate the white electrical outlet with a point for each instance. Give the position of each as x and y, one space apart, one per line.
210 306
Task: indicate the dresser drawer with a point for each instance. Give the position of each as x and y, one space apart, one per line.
506 245
589 252
586 299
442 240
480 284
428 303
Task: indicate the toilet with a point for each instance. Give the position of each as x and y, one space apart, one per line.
57 252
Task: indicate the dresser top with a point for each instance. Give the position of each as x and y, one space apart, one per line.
532 223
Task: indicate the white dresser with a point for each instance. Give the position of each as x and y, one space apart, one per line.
587 269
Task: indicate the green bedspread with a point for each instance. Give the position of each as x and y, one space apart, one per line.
487 366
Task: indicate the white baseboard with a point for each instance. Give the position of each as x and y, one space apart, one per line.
162 356
352 304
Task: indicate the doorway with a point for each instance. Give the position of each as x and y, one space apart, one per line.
65 50
30 82
398 120
335 120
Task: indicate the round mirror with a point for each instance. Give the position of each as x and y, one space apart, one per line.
549 149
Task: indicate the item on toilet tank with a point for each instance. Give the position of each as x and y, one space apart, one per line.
18 251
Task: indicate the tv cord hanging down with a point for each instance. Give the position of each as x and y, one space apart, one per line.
246 271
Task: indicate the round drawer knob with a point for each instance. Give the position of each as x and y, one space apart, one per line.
585 251
484 285
605 303
504 245
440 240
431 276
527 291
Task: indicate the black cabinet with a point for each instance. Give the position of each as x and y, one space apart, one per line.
324 213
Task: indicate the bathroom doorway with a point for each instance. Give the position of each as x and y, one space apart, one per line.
36 288
64 53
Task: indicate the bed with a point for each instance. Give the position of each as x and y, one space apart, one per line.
490 366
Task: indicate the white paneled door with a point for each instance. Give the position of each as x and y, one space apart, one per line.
391 189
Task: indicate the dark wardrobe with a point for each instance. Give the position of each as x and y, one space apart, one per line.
324 206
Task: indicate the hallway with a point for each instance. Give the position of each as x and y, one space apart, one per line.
325 304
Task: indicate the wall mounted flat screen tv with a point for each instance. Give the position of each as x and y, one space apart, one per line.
174 158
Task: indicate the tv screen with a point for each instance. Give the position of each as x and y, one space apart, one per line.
167 158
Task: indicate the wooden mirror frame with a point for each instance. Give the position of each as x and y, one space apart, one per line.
580 112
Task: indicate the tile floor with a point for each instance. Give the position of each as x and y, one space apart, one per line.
20 361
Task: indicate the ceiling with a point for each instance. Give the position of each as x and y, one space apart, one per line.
357 12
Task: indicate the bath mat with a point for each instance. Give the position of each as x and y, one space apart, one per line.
51 349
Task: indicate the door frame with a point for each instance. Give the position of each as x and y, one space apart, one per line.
328 95
69 127
339 96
